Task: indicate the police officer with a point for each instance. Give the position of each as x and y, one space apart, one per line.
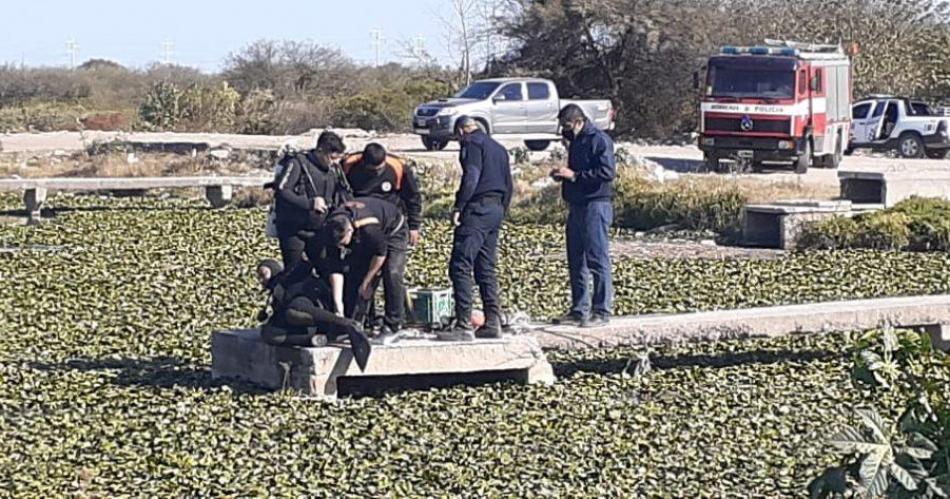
480 206
587 187
309 186
374 173
366 231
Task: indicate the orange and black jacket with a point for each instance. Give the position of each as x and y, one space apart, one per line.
395 183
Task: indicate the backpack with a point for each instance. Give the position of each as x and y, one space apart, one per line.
285 157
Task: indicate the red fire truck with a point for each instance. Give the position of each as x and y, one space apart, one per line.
781 102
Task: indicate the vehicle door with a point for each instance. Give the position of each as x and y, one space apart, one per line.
872 128
508 109
541 108
889 120
861 114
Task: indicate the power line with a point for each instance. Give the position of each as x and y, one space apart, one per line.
168 48
72 50
377 36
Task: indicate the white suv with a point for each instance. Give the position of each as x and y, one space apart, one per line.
893 123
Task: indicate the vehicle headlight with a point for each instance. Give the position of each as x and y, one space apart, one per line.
709 141
448 111
786 144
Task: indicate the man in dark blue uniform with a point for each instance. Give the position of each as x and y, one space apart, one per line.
480 206
587 186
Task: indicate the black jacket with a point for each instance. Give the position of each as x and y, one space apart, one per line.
591 156
301 280
304 179
373 239
486 171
395 183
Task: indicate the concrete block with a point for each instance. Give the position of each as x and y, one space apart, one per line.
34 199
219 195
939 335
891 187
242 355
778 225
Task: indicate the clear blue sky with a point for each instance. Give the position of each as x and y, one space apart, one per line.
205 31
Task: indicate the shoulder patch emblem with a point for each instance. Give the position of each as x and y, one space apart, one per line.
386 187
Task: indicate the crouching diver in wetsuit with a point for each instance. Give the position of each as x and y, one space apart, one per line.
303 310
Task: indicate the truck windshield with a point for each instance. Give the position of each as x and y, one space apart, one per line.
479 90
750 82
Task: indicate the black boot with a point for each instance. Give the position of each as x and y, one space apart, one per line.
461 331
491 329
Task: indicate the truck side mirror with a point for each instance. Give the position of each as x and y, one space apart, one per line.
695 80
499 98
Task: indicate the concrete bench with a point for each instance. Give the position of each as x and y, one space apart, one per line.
890 187
778 225
242 355
218 190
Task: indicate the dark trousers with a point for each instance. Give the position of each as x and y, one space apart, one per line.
588 255
301 321
394 281
355 307
475 249
291 249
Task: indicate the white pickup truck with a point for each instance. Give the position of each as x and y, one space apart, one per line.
912 128
522 108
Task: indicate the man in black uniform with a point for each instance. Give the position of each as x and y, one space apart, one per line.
365 230
480 206
308 187
374 173
301 303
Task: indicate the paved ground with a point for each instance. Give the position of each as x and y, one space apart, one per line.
680 159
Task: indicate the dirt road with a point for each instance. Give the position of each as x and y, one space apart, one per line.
679 159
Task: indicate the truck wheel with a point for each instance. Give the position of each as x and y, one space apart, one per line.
710 162
832 161
804 161
434 144
910 146
537 145
937 153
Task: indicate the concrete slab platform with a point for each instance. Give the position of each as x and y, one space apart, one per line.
242 355
891 187
932 313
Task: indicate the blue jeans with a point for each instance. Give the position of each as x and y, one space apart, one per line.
588 255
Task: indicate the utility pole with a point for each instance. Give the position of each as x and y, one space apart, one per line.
72 50
377 36
419 49
168 48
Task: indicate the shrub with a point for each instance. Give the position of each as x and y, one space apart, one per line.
41 117
641 204
210 108
832 234
930 223
162 107
917 224
687 204
257 113
883 231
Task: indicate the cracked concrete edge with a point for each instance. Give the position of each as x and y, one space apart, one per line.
855 315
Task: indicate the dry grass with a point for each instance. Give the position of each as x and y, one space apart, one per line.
117 165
